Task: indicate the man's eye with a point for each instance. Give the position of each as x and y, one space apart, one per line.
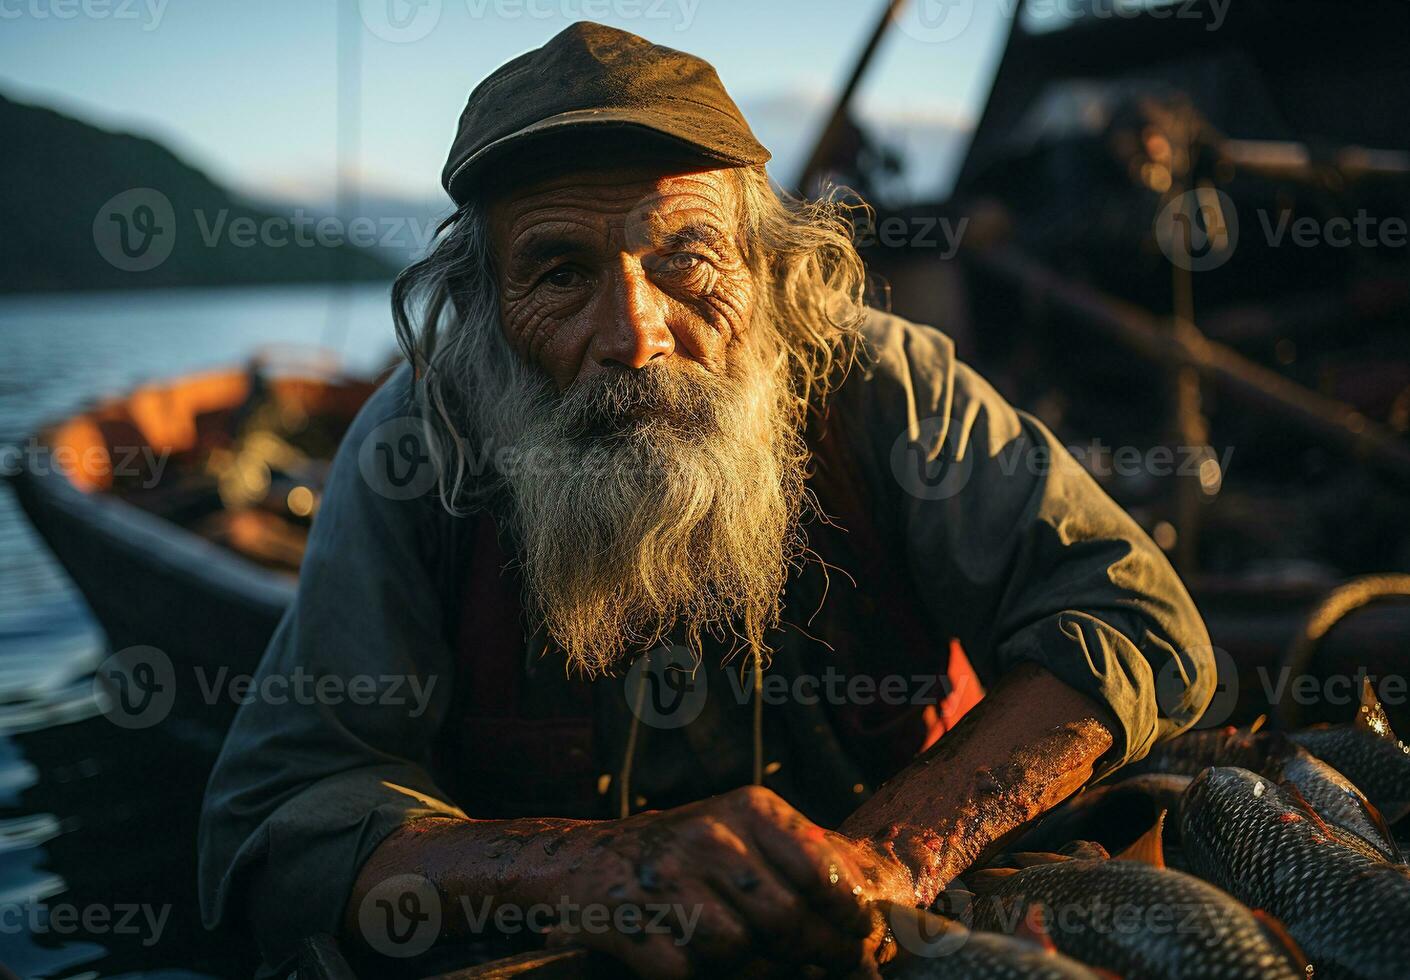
563 277
681 262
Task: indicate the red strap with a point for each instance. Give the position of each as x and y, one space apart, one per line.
491 636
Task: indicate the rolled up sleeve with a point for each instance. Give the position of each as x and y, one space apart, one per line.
1017 551
312 778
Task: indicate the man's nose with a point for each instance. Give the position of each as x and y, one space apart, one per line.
633 330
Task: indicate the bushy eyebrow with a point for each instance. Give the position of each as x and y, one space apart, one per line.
545 249
542 250
695 233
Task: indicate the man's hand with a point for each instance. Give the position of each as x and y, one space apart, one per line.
715 884
745 875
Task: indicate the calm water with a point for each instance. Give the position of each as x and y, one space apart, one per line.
61 772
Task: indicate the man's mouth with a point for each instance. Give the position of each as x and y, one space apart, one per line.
646 401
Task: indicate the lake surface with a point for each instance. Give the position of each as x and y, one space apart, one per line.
61 788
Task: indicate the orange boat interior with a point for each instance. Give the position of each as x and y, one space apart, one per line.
238 456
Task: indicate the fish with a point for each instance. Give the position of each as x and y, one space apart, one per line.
936 948
1337 800
1085 849
1337 797
1107 814
1347 907
1194 751
1135 917
1368 752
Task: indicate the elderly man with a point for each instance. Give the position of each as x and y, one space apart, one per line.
660 418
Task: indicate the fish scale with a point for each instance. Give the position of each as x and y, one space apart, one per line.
1347 908
1378 763
986 956
1160 924
1334 794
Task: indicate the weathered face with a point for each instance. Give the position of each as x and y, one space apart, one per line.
601 271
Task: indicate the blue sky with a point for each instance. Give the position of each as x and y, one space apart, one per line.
247 90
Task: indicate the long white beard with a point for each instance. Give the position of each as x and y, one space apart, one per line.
654 499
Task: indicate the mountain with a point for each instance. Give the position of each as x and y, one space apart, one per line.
84 208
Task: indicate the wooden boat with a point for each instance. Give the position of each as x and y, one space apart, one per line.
181 510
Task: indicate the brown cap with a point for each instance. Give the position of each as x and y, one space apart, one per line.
594 77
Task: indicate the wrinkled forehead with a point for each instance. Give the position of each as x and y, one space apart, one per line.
631 207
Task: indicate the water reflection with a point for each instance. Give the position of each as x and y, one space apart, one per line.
97 821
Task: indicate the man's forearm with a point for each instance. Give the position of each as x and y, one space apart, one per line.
508 861
723 880
1031 743
1027 746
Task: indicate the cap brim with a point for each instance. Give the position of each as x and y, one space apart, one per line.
691 144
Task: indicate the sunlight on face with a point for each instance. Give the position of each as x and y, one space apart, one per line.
604 271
